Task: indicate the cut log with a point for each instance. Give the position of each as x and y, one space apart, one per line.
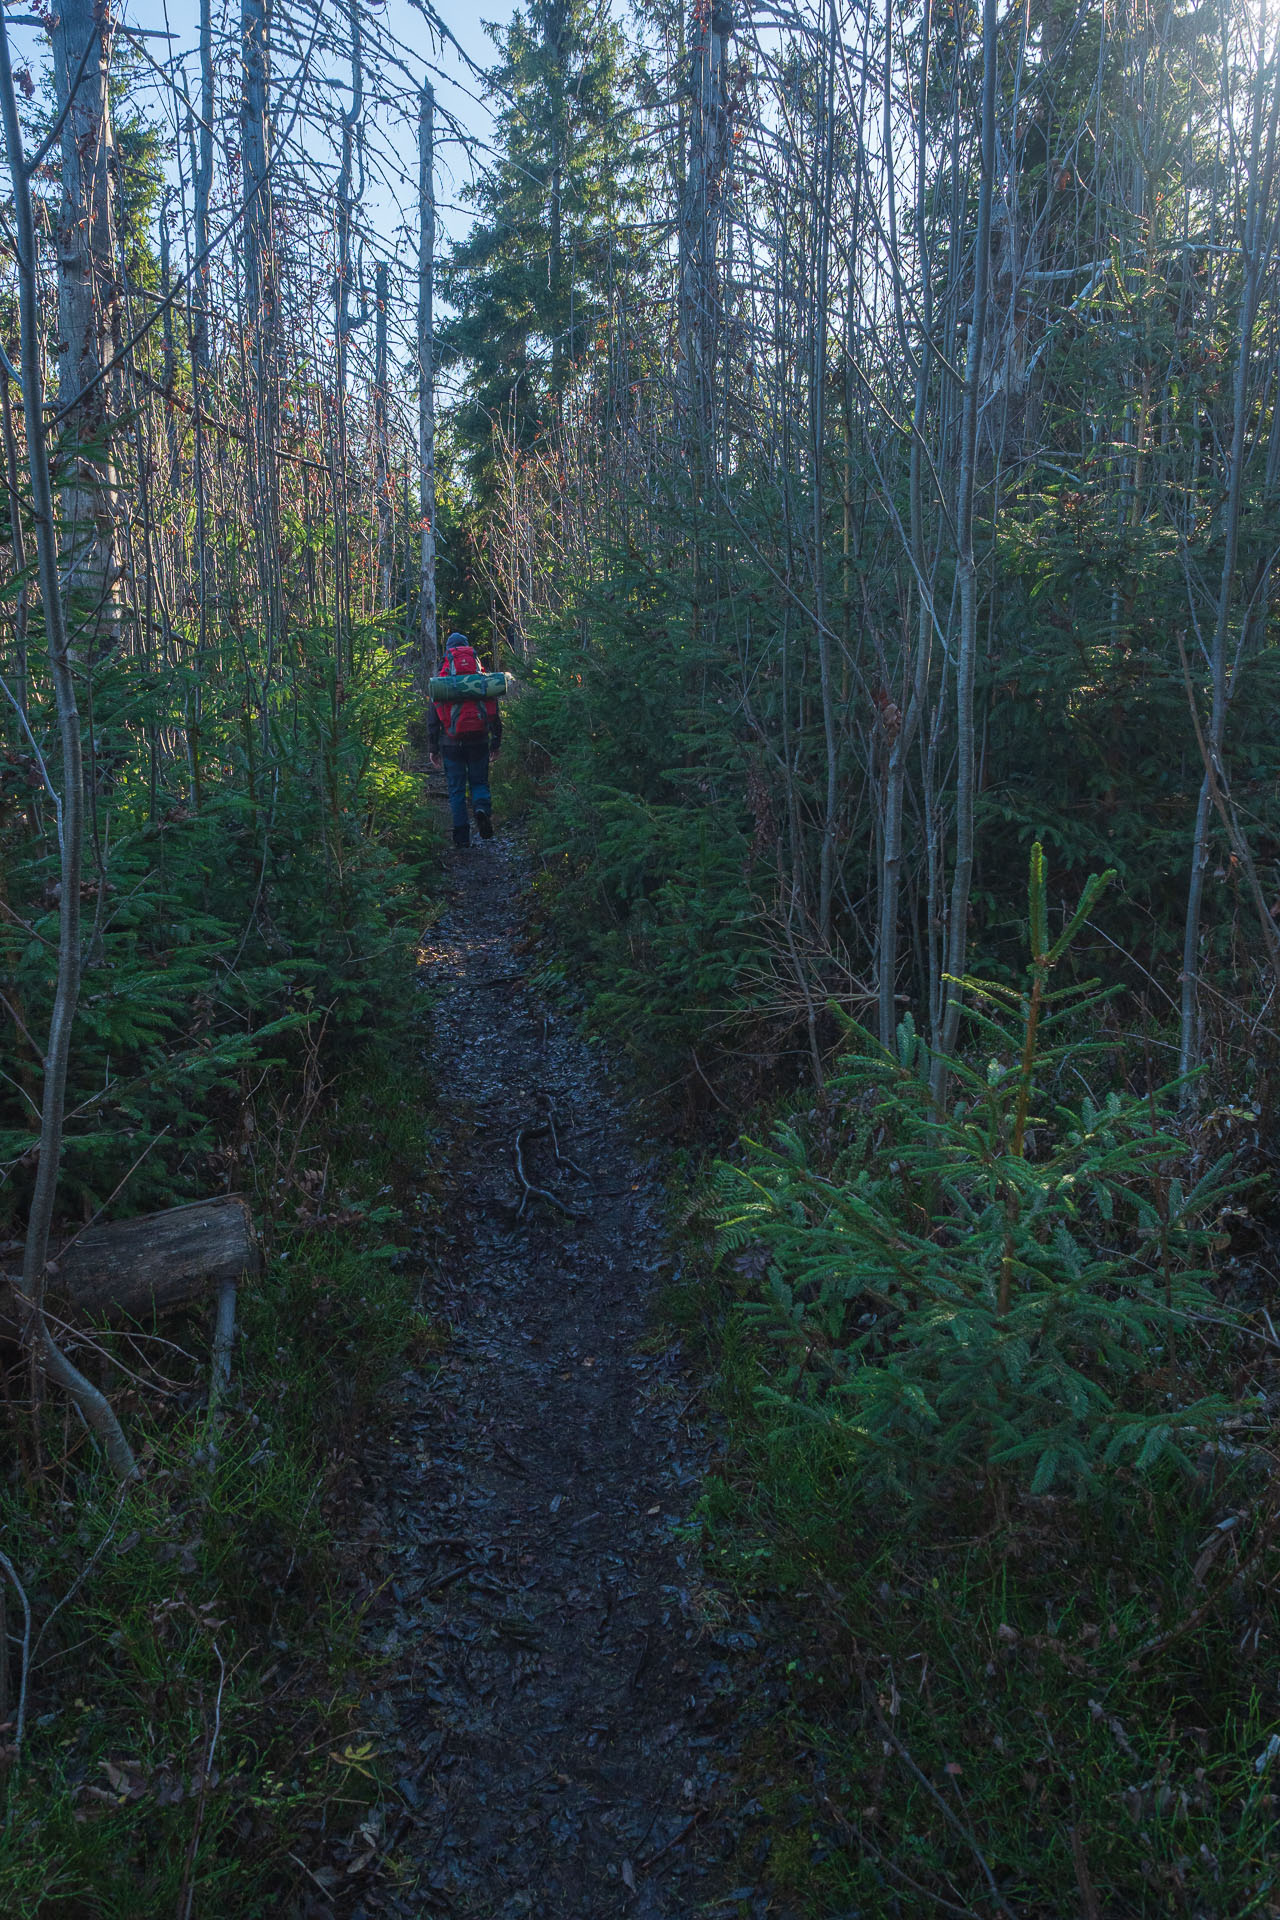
158 1261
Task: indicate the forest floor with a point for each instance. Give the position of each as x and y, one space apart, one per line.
564 1705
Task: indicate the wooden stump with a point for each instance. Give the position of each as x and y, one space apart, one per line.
158 1261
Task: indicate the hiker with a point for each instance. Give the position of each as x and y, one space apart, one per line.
465 732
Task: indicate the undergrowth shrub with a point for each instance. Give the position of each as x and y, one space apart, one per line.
984 1286
222 931
196 1722
192 1725
652 877
661 912
997 1489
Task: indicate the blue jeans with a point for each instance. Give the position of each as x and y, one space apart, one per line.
463 767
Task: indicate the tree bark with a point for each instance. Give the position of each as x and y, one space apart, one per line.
966 567
382 443
1255 261
818 419
158 1261
427 649
261 296
922 580
94 1406
700 218
89 307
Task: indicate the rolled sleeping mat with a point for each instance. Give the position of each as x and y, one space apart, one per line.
448 687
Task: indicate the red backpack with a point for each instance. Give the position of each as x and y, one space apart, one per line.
463 719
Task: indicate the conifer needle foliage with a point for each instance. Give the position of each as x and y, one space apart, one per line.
990 1289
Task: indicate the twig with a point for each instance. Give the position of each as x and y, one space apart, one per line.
188 1892
1191 1620
21 1025
84 1572
45 777
306 1869
224 1333
447 1579
1220 794
1088 1895
965 1832
115 1193
722 1104
651 1859
27 927
642 1662
21 1722
81 1337
891 1738
855 1831
516 1462
544 1101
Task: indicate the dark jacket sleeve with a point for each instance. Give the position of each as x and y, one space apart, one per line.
495 730
433 729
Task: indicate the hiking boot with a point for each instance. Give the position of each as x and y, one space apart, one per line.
484 821
462 836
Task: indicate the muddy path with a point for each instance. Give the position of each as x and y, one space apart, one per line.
564 1709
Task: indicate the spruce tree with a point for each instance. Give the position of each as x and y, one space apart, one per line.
530 282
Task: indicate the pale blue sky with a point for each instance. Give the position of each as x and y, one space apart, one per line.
458 91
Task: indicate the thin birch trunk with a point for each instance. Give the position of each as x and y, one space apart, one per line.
93 1404
89 295
385 502
261 293
818 379
922 583
427 648
966 566
1256 262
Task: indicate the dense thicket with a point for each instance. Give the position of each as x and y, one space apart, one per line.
917 498
910 522
211 867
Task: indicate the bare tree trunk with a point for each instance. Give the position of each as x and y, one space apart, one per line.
343 324
89 296
199 295
427 648
261 293
818 378
168 380
202 189
1256 263
966 567
700 218
382 447
93 1405
922 581
554 42
17 534
697 293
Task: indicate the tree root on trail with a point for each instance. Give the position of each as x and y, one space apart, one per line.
562 1159
531 1191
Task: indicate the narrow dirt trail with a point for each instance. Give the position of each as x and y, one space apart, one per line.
566 1702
